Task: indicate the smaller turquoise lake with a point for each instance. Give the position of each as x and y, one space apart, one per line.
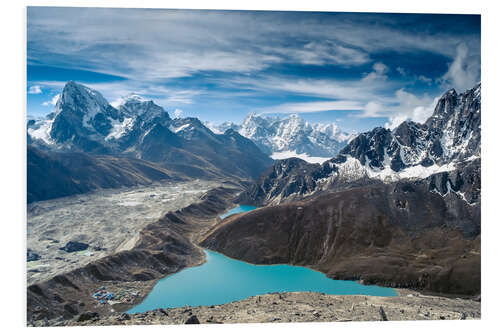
223 280
236 210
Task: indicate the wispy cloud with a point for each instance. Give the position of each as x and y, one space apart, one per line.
159 44
34 90
313 107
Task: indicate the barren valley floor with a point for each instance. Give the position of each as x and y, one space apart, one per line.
108 221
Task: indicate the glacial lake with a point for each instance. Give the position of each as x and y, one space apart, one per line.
236 210
223 280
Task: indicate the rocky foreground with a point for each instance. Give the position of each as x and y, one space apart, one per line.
299 307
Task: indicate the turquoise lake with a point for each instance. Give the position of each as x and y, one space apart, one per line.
239 209
222 280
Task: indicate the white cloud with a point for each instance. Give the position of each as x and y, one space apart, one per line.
35 89
379 73
372 109
53 101
178 113
411 107
464 71
313 107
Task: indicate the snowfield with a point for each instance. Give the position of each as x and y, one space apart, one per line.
287 154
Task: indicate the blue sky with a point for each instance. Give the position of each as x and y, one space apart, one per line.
357 70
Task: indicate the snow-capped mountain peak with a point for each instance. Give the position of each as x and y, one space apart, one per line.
78 97
134 105
291 136
84 119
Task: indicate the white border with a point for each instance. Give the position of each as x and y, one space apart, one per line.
13 152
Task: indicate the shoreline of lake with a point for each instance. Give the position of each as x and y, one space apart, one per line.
222 279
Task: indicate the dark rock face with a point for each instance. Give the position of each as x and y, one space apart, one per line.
74 247
80 114
287 177
399 235
195 146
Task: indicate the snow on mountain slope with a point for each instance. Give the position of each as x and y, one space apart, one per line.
40 130
291 136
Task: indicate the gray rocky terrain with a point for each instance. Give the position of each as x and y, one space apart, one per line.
301 307
107 221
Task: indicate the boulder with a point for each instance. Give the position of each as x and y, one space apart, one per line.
33 256
74 247
192 320
87 316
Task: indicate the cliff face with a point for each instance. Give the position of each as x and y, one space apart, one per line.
398 234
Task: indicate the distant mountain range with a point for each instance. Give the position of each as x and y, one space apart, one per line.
84 122
290 137
448 143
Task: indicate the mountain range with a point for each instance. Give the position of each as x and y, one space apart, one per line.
291 136
84 122
447 143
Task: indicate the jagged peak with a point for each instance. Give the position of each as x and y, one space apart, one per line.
72 86
450 92
251 115
74 92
